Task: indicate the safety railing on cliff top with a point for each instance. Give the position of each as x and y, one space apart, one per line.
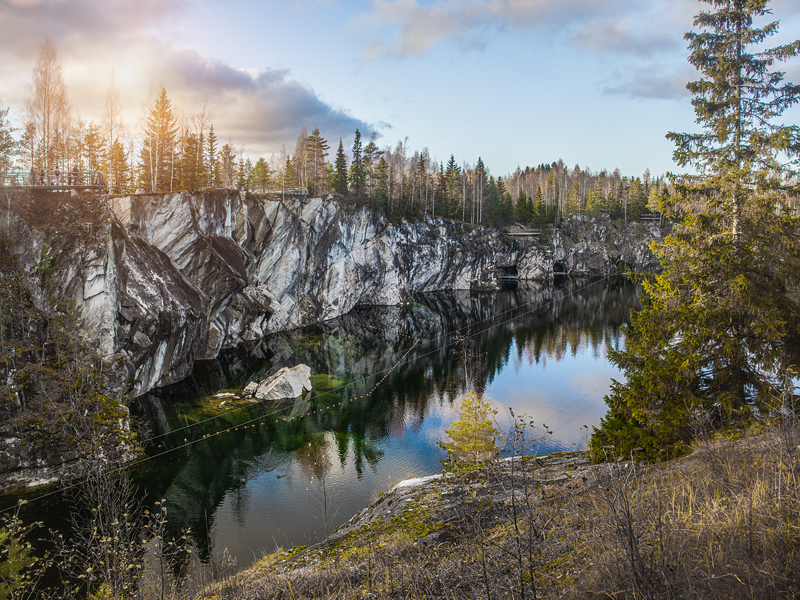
276 189
70 180
93 180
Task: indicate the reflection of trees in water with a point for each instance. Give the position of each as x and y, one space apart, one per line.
315 464
591 321
357 350
558 322
312 457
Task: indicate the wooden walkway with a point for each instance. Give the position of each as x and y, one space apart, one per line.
85 180
53 182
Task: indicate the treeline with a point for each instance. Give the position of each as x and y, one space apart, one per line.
547 192
172 153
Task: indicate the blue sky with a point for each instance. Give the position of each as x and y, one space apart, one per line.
517 82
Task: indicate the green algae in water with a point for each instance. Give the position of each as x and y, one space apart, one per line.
324 382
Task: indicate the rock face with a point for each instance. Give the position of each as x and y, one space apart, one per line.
286 383
598 246
168 280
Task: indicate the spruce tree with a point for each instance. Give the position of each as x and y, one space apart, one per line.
158 148
382 181
261 175
637 199
118 168
575 200
358 174
718 333
521 209
243 173
481 185
289 178
340 170
539 210
213 170
530 211
440 198
371 155
316 151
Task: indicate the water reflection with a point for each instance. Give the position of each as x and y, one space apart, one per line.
385 380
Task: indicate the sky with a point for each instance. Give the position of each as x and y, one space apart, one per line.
597 83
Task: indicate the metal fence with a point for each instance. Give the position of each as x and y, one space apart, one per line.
93 180
52 180
276 189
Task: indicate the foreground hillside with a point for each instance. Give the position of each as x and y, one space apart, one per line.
723 522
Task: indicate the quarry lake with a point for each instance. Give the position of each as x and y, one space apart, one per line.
248 477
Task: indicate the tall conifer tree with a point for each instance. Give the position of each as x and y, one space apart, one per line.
316 151
718 332
539 210
382 181
371 156
211 153
358 174
340 170
158 148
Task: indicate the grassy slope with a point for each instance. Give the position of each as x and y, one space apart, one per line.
723 522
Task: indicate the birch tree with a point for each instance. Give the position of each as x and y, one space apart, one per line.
47 105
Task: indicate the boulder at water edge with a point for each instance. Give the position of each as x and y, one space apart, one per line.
286 383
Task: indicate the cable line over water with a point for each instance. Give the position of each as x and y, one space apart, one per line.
278 415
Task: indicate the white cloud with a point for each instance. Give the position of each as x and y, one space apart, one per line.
24 3
415 28
656 81
258 108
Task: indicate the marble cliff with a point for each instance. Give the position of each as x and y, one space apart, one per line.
166 280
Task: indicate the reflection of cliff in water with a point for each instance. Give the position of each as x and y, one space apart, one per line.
349 356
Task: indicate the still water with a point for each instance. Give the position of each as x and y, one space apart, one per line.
387 382
247 477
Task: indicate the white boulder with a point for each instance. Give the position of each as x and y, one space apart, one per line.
286 383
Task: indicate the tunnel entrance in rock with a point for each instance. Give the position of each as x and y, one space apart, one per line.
559 270
507 272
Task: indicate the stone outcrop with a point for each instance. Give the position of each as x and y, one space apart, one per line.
599 246
285 384
168 280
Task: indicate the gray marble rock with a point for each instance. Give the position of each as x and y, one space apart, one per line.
286 383
166 280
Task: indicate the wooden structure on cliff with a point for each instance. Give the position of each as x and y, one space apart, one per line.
92 180
55 182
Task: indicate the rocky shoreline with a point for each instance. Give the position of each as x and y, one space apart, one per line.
720 522
441 520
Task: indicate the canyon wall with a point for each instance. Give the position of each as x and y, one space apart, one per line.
166 280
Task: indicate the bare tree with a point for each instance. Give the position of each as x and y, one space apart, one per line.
8 146
201 122
112 120
112 131
47 105
301 157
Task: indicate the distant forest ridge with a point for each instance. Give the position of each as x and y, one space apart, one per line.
168 153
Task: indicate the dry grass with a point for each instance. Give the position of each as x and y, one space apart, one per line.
721 523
